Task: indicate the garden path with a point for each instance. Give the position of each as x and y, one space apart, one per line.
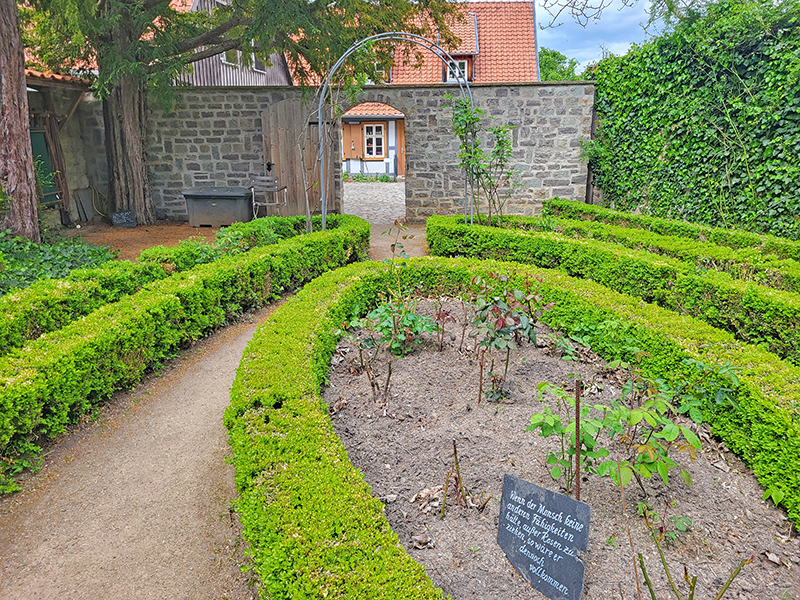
135 503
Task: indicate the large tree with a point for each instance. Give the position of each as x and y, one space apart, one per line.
140 46
17 182
554 66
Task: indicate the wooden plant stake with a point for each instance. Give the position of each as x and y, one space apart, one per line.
578 440
459 484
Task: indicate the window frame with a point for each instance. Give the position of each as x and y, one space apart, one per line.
384 138
450 74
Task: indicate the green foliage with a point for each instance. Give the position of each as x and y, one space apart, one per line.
490 174
55 379
155 43
702 122
299 493
51 304
731 238
186 255
399 326
27 262
640 421
363 178
234 239
554 66
748 264
751 312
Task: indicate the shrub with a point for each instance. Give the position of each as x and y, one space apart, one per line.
26 262
752 313
299 493
52 381
51 304
732 238
746 263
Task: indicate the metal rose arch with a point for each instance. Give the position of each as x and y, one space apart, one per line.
420 41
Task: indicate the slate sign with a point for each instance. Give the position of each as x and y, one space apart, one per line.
542 533
126 218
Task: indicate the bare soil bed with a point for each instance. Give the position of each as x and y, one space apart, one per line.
130 241
405 447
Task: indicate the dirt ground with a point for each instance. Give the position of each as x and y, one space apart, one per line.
131 241
404 447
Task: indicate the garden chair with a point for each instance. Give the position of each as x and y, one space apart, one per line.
261 186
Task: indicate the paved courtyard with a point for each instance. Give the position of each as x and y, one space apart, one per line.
378 203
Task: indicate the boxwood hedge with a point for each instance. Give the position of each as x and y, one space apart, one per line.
51 304
733 238
56 378
749 264
753 313
312 525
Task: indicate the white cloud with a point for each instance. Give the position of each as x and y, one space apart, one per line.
616 30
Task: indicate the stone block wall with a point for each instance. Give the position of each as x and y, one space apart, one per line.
549 120
214 137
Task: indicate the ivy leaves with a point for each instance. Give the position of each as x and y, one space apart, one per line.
702 123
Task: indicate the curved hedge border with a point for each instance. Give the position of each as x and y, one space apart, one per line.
733 238
314 529
753 313
50 304
56 378
748 264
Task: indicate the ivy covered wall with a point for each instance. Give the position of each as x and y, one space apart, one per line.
703 123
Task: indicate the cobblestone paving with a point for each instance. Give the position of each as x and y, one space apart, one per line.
378 203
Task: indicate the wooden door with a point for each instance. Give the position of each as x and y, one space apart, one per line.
288 138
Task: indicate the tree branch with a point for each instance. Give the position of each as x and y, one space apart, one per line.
212 51
212 36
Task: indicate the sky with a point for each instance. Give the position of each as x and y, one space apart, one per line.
616 30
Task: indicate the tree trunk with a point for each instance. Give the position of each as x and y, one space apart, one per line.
125 116
16 158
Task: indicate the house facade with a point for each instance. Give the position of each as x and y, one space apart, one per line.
498 45
231 68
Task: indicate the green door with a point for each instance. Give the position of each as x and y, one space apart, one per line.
41 156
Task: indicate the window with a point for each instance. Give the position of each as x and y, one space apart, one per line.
258 64
373 140
452 73
231 57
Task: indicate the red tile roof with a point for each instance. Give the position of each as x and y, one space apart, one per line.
369 109
506 46
55 77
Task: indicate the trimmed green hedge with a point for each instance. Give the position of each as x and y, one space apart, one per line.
53 380
51 304
748 264
733 238
753 313
234 239
314 529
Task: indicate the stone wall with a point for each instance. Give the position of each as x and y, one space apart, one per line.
549 122
214 137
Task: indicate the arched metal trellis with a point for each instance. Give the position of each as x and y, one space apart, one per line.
424 43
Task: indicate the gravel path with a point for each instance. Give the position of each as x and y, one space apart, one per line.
134 504
378 203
